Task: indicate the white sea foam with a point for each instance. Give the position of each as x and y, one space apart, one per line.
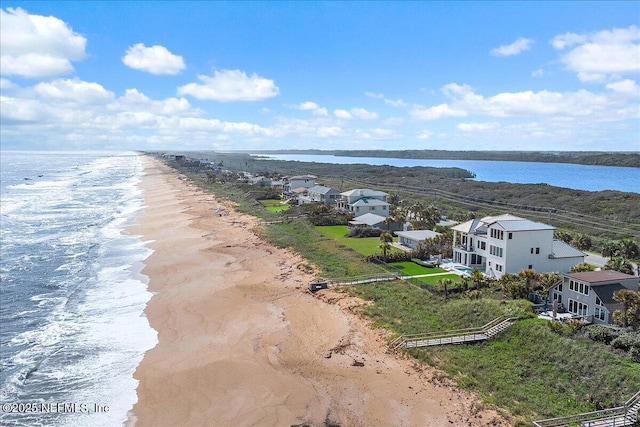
95 333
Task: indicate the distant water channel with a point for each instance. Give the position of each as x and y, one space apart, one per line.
578 177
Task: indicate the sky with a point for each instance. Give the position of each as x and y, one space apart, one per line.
213 75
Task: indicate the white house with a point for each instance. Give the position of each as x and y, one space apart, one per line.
590 293
300 181
322 194
507 244
362 201
412 238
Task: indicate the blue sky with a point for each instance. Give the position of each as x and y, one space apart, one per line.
325 75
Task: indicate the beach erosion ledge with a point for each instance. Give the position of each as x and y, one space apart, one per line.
241 341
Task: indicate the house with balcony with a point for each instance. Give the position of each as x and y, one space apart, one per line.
300 181
507 244
320 194
361 201
589 294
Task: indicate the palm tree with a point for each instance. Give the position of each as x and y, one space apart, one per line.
529 277
477 278
619 264
385 243
630 313
444 284
546 281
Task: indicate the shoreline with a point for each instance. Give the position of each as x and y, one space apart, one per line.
241 341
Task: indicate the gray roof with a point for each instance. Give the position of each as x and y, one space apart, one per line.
561 249
599 276
364 192
320 189
369 202
299 177
417 234
605 293
507 222
522 225
368 219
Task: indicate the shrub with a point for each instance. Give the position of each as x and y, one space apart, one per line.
364 232
626 341
634 354
601 333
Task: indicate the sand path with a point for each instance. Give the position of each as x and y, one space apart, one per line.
242 343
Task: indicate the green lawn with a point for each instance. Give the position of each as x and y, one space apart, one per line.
412 269
363 245
274 205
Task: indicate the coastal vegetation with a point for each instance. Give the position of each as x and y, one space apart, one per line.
602 215
532 370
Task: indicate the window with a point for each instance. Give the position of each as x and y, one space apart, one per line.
578 308
494 250
531 251
537 251
579 287
510 236
600 313
557 297
530 267
497 234
498 267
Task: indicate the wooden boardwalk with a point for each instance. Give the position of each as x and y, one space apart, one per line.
622 416
457 336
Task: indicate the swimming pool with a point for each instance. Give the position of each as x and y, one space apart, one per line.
461 269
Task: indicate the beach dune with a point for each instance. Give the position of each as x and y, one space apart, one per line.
242 343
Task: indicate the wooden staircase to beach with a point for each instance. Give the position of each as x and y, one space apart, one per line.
456 336
621 416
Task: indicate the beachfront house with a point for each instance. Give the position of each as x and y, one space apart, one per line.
412 238
508 244
300 181
362 201
590 294
320 194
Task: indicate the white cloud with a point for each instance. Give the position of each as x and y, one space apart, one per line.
396 102
425 134
438 112
35 46
315 109
361 113
343 114
154 59
537 73
134 100
76 91
514 48
231 85
6 84
308 105
478 127
627 87
601 55
374 95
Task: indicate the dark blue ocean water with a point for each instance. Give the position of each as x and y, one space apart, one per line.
578 177
71 293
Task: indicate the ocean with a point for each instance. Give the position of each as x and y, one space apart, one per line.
72 328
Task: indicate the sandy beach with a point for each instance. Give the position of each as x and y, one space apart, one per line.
242 343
